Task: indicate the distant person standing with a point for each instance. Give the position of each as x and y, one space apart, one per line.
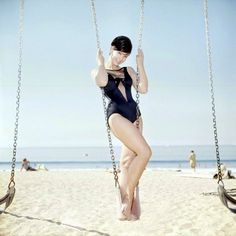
192 160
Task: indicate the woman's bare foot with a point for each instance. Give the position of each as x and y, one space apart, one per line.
124 205
135 208
125 213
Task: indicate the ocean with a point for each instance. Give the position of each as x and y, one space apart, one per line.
164 157
98 157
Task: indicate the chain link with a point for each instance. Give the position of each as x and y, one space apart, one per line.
141 21
95 23
140 36
21 21
210 74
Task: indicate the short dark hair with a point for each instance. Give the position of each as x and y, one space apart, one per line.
122 43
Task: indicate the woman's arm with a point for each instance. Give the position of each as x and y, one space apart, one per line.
143 80
100 74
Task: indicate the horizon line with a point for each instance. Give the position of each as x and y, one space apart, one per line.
89 146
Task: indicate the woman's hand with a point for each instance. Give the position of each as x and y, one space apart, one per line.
100 58
140 58
99 74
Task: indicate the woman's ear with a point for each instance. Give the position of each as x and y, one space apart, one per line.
112 49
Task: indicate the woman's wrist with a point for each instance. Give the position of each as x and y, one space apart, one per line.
140 66
101 65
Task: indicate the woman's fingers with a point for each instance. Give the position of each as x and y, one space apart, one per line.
140 56
100 57
140 51
99 52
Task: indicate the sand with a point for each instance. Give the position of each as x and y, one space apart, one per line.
83 202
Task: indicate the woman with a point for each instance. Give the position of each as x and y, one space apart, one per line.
122 117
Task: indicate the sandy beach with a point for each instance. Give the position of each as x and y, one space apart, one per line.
82 202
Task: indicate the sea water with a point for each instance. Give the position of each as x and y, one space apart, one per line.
164 157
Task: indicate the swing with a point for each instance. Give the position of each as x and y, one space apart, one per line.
103 95
8 198
224 195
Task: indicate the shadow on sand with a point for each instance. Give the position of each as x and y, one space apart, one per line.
56 222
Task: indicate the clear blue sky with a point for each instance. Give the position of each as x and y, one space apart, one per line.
61 106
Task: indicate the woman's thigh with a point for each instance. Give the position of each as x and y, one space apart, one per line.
128 155
128 134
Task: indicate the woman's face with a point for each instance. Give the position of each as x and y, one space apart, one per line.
118 57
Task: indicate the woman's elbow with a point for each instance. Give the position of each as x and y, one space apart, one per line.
143 90
100 82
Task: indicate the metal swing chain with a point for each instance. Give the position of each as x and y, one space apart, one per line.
104 100
210 74
140 36
110 140
21 21
95 23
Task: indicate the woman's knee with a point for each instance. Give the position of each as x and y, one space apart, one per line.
145 152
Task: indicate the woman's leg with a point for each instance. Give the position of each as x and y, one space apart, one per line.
127 156
131 137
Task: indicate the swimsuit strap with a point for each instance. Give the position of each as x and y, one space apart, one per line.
125 70
126 73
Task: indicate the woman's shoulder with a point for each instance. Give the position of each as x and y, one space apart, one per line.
132 73
130 70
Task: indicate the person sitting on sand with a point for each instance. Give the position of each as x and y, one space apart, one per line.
226 174
26 165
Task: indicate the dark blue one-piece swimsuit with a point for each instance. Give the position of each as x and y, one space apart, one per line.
118 103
